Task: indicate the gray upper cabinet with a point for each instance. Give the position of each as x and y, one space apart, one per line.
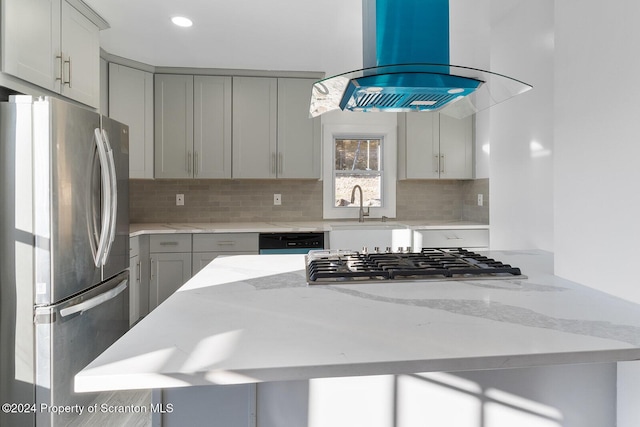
192 126
30 46
57 47
80 57
434 146
255 108
173 132
298 134
212 127
131 102
273 136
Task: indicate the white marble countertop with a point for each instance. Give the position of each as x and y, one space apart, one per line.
253 318
137 229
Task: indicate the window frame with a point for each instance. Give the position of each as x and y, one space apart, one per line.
387 135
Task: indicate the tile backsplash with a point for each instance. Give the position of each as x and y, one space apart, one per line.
252 200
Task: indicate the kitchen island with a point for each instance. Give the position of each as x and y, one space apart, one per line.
251 319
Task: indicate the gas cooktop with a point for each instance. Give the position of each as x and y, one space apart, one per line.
430 264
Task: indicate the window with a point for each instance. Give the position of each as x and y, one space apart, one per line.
357 162
364 156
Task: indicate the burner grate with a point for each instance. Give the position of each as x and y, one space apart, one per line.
429 264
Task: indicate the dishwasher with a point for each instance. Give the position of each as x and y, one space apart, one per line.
290 243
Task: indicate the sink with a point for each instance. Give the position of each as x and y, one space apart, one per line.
355 236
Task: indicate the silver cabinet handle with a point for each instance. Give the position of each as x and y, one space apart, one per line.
61 77
189 162
226 243
138 273
168 243
436 163
68 82
442 163
196 170
280 167
273 163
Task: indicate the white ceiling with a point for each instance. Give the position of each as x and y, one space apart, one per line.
301 35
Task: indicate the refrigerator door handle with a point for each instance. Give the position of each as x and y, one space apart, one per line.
106 206
113 190
95 301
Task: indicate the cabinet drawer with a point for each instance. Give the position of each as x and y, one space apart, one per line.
226 242
170 243
451 238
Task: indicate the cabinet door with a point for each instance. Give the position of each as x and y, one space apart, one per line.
81 57
134 289
422 155
298 134
456 147
202 259
31 41
169 271
254 127
212 127
131 102
173 132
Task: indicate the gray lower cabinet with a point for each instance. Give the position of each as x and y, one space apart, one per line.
451 238
170 256
173 259
139 278
226 406
208 246
134 289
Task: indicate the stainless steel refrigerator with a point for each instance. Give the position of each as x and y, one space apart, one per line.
64 254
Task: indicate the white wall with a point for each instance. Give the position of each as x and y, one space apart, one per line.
470 46
597 202
598 147
521 130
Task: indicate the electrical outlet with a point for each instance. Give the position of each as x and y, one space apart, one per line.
179 199
480 200
277 199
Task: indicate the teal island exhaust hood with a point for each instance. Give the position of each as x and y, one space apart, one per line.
406 58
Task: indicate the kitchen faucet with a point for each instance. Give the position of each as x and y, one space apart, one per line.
361 213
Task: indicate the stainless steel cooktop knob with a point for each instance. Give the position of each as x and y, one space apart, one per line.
376 249
388 250
365 250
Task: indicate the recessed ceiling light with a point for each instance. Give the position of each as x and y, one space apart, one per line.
457 90
181 21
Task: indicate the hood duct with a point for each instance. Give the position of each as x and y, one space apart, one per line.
406 60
